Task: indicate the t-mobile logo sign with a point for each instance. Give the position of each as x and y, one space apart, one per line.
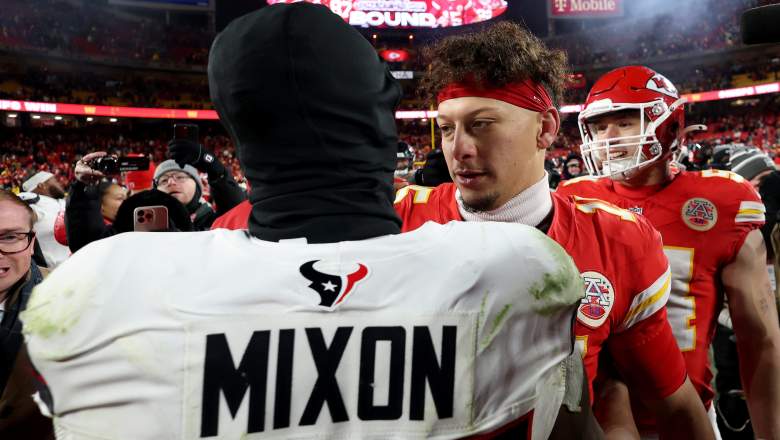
561 5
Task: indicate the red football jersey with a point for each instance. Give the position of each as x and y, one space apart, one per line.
236 218
703 217
623 311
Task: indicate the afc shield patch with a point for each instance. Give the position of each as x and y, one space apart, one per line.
699 214
599 299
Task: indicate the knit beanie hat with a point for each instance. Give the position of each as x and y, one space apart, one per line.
171 165
750 163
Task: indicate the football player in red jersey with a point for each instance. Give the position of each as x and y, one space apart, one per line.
631 127
497 118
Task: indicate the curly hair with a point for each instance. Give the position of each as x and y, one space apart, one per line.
501 54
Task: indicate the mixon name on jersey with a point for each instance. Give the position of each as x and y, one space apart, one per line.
400 353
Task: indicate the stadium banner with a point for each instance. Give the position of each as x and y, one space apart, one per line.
411 13
169 113
740 92
584 8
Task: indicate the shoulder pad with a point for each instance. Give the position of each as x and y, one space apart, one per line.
420 194
579 180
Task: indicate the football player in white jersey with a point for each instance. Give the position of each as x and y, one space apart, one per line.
317 322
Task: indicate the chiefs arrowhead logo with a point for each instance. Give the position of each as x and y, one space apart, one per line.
660 84
332 289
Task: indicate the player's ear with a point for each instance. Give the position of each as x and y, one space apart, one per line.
548 129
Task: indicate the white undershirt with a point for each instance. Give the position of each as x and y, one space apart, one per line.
530 207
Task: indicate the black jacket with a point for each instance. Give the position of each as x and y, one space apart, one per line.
83 221
226 194
19 415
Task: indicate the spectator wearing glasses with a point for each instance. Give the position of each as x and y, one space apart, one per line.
184 184
19 416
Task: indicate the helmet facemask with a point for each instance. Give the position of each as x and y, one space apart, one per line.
622 157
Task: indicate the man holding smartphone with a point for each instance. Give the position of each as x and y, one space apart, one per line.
180 177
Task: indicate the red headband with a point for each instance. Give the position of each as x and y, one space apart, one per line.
525 94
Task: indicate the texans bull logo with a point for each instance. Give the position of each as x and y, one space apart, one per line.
333 289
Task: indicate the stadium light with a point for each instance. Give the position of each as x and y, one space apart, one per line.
58 118
90 119
12 115
112 120
36 116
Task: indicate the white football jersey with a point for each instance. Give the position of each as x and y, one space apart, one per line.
444 332
47 209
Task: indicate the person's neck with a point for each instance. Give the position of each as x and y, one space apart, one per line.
655 175
646 184
529 207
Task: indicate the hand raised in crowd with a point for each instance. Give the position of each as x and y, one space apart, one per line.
84 172
188 152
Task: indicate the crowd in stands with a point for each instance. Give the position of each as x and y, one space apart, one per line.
136 89
26 153
150 89
57 151
757 129
90 30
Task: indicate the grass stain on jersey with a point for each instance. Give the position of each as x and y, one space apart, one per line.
482 312
56 305
54 317
498 323
558 289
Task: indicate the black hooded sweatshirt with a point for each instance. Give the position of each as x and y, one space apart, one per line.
310 108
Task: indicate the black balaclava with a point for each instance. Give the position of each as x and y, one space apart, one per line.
310 108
